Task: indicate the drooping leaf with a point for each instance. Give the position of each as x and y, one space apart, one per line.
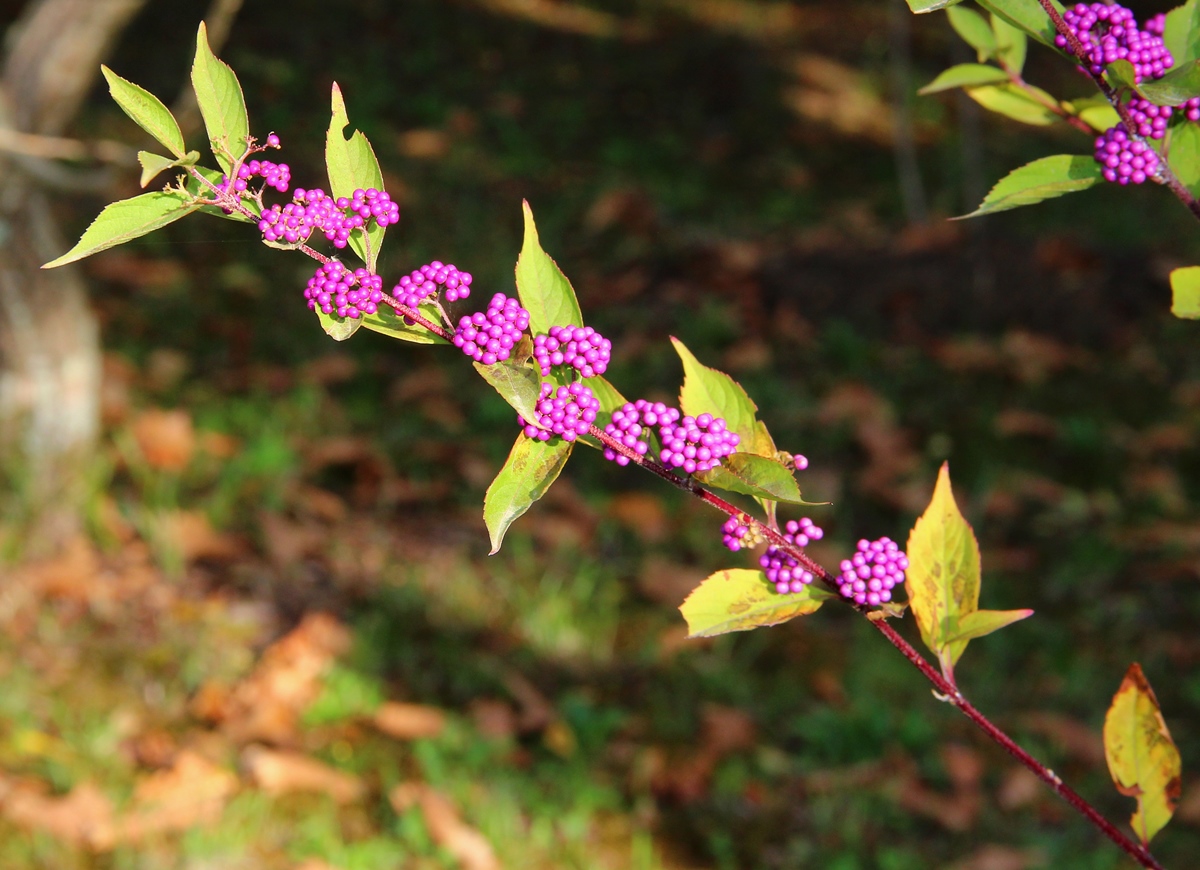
386 322
352 165
754 475
1185 292
543 289
1178 86
517 383
526 476
1096 112
1014 102
708 391
127 220
964 75
942 580
1025 15
920 6
1141 755
974 30
981 623
147 111
1011 44
338 328
221 103
739 599
152 164
1182 32
1183 142
1042 179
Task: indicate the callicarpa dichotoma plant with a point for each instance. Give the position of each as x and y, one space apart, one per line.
537 353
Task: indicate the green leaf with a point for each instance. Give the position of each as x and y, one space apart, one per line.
338 328
526 476
755 475
964 75
518 384
1121 74
942 579
1014 102
221 103
1185 292
386 322
1182 32
974 30
1183 150
1011 44
153 164
921 6
352 165
147 111
1096 112
127 220
739 599
1142 757
981 623
1042 179
1026 15
1176 87
543 289
708 391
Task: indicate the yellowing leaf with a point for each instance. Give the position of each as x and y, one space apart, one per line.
741 599
1142 758
983 622
943 573
531 467
709 391
542 287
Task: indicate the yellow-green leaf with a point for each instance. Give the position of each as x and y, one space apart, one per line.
526 476
708 391
542 287
387 322
740 599
1014 102
1185 292
129 219
222 104
352 165
1141 755
983 622
942 580
147 110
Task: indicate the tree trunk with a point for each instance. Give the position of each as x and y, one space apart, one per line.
49 338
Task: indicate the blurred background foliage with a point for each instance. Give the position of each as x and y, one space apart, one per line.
279 642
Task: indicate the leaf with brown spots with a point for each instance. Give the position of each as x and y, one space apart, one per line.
740 599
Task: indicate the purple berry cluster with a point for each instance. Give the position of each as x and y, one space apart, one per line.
336 290
869 576
567 412
276 175
1150 119
422 283
489 336
696 444
631 421
781 569
580 347
1110 33
1125 160
313 209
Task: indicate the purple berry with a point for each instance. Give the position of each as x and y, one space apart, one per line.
1110 33
631 422
567 412
1151 120
1125 160
336 290
580 347
272 141
489 336
1191 109
696 444
783 570
423 283
869 576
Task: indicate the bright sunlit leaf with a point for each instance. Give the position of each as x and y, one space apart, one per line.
221 102
740 599
1185 292
532 466
1040 180
352 165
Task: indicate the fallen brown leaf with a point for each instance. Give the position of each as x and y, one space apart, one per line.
166 439
83 817
193 791
996 857
446 827
409 721
280 772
